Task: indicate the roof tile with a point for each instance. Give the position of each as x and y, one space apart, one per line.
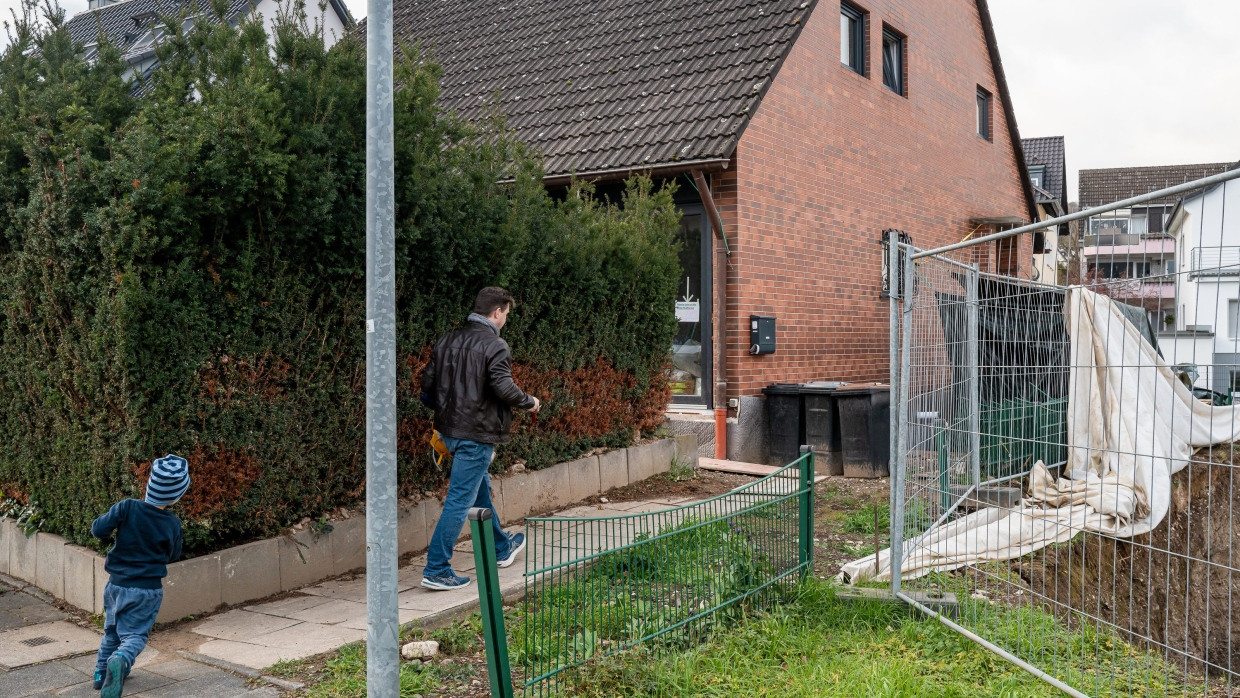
627 83
1098 187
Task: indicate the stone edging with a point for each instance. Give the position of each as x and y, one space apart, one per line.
262 568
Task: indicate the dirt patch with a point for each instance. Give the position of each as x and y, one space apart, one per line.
698 483
1174 585
842 530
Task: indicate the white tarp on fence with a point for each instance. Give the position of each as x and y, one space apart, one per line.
1131 425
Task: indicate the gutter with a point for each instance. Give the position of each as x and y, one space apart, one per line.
721 316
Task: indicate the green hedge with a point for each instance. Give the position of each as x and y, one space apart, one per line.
183 272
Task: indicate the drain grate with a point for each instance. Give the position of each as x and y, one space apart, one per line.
36 641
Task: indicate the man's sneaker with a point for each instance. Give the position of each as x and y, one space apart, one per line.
515 545
114 679
98 680
445 582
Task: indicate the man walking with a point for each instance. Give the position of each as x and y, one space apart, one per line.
468 383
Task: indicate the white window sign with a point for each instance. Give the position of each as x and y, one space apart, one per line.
688 311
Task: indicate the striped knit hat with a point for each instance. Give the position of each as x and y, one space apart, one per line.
169 480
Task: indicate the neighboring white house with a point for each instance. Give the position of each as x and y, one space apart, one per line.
134 27
1206 231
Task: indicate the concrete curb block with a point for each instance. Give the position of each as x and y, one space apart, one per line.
240 670
262 568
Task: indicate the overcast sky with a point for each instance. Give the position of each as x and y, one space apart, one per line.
1126 82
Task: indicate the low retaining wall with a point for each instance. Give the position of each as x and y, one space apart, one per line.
256 570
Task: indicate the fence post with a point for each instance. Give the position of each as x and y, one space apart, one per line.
893 378
945 488
807 510
973 370
899 416
491 602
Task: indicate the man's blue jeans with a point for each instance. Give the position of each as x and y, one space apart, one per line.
469 486
128 614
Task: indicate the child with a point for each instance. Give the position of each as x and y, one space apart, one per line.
147 539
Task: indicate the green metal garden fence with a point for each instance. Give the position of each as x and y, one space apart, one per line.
661 579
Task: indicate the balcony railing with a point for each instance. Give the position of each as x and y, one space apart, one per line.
1215 261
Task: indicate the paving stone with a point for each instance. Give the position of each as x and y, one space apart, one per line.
330 613
50 564
67 640
283 607
241 625
80 577
250 571
178 669
86 662
217 684
84 689
41 679
347 589
403 616
426 600
250 655
309 637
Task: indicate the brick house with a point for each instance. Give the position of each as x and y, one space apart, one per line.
798 132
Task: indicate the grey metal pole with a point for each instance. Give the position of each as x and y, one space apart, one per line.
901 416
382 626
894 283
975 405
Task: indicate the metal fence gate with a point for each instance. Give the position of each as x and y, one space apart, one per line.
1046 469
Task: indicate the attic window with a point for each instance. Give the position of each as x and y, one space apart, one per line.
983 116
143 19
1037 174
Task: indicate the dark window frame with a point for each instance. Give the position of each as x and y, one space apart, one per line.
985 119
1038 171
895 78
858 62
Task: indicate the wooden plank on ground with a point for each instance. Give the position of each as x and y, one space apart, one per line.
739 468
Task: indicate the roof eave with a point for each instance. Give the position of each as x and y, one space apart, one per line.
654 170
1005 98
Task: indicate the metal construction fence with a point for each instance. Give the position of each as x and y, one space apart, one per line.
1064 454
661 579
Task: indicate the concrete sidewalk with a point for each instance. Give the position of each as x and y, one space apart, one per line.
223 655
45 652
329 615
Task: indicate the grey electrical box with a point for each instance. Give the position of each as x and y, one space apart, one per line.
761 334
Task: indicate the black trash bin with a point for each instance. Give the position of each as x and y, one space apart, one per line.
822 424
786 419
865 428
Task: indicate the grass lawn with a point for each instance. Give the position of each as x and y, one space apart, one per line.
813 645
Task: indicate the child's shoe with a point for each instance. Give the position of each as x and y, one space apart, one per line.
98 680
114 680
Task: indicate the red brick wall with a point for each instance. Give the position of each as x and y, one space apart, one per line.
832 158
